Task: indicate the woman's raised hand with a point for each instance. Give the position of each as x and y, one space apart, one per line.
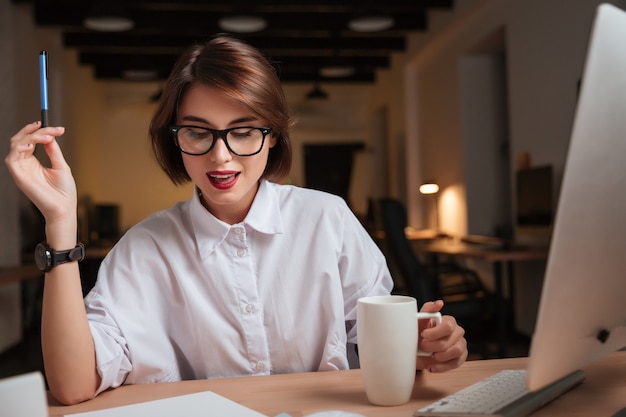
52 189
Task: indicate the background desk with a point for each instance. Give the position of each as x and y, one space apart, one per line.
11 274
601 394
501 259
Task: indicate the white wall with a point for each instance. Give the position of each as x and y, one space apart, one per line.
434 114
544 73
10 321
485 131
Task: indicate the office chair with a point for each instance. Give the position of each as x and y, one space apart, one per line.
461 288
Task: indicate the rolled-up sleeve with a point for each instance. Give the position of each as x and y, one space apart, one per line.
112 359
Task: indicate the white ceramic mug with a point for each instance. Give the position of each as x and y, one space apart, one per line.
387 329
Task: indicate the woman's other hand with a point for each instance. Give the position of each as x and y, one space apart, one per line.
446 341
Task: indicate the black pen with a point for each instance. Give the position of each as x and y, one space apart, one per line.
43 84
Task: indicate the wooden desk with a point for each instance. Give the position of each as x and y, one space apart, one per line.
502 260
602 393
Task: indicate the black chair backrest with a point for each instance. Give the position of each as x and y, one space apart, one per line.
418 281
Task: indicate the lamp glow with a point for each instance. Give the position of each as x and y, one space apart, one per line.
429 188
432 188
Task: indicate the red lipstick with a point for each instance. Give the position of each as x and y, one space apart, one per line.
223 180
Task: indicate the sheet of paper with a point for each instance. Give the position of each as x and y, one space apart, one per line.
201 404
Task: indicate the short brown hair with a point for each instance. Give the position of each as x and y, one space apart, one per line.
242 73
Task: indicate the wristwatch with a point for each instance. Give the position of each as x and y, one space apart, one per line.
47 258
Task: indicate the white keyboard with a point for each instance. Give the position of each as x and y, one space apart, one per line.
503 394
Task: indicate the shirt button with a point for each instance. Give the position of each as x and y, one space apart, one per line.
241 252
260 366
249 308
238 231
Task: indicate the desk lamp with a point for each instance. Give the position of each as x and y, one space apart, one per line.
431 188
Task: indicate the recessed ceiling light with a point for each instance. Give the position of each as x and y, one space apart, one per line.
371 23
108 23
107 17
242 23
337 71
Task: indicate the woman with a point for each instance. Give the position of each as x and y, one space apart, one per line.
247 277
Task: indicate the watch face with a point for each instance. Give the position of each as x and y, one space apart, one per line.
42 257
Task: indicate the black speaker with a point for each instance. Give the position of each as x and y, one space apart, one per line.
107 222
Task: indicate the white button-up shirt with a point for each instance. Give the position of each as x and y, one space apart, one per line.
184 295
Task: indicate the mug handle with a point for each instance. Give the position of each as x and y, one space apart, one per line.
422 315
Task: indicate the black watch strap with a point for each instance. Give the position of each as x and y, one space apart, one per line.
47 258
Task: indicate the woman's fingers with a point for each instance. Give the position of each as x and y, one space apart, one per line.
23 142
54 152
21 161
51 189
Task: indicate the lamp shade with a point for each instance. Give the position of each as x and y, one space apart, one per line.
429 187
317 93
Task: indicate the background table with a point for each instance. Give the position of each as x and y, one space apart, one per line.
18 273
502 259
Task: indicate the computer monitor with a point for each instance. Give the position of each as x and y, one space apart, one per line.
582 312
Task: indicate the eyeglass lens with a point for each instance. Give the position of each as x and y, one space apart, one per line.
241 140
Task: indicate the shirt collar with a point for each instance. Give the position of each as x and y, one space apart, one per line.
264 216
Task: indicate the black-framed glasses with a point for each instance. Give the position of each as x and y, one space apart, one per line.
241 140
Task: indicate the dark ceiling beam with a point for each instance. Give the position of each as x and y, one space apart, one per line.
123 59
206 22
302 36
359 77
94 40
289 69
